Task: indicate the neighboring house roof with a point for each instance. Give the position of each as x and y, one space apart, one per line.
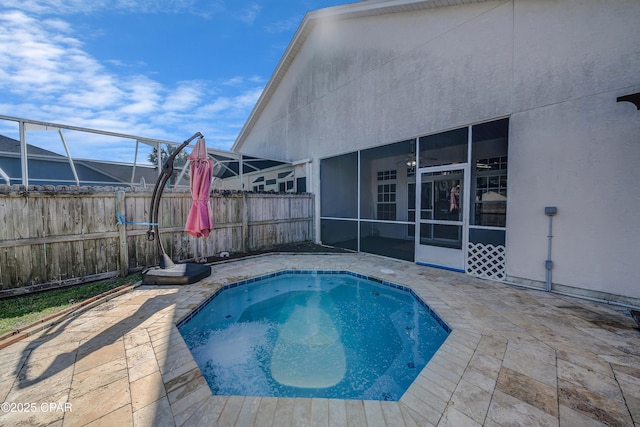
53 166
57 166
10 145
347 11
122 172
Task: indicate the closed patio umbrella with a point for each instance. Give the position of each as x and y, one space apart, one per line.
200 222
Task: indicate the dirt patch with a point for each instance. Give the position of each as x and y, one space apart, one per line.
299 248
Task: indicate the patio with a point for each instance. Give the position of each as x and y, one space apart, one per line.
515 357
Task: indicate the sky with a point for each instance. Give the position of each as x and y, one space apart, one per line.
161 69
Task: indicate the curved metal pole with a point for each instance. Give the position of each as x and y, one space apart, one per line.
167 171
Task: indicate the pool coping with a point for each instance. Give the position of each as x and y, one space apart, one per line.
428 395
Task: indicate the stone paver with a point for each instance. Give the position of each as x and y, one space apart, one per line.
515 357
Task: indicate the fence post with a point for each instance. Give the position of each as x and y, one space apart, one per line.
122 233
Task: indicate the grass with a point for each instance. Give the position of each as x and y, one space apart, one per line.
20 311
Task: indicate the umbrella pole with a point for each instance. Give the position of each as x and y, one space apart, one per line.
169 272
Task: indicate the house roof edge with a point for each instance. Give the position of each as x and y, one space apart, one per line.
346 11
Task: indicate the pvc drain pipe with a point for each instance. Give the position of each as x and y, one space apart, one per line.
549 211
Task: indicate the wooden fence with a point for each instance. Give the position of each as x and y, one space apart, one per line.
52 237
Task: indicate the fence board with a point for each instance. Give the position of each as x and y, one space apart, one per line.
70 236
5 268
37 209
38 263
90 254
20 225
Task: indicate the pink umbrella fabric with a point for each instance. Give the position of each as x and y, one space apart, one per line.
199 221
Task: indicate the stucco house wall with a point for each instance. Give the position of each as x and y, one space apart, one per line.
366 74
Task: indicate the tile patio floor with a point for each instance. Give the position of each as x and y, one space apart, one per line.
515 357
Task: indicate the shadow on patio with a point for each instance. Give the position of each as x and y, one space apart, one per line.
515 357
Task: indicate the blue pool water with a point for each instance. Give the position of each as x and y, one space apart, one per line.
315 334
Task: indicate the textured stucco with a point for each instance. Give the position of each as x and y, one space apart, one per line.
554 67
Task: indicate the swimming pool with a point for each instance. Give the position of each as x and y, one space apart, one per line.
332 334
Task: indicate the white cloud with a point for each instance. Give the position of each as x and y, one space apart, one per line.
122 64
141 96
240 81
231 106
234 81
39 57
216 107
248 99
186 96
249 14
283 26
47 74
67 7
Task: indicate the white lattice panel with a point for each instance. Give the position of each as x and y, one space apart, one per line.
486 261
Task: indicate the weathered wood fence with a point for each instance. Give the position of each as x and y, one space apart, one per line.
59 236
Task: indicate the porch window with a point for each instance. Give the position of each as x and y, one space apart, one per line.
489 174
387 202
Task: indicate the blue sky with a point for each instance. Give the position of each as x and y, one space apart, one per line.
153 68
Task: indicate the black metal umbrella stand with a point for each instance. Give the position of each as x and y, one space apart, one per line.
167 272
